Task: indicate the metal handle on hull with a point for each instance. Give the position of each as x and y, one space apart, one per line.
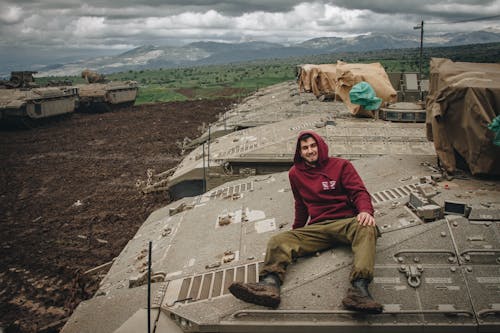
397 254
479 251
488 312
242 313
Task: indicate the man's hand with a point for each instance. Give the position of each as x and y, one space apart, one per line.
365 218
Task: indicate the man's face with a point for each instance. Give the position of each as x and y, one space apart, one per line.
309 151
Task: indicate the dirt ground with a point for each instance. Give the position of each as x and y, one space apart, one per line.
69 201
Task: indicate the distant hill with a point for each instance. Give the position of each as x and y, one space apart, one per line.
362 43
211 53
216 47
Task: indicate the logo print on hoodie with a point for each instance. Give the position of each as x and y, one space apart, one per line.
329 185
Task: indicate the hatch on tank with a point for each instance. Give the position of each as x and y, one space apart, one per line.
403 112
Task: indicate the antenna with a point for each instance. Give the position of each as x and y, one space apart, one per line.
149 287
204 169
421 27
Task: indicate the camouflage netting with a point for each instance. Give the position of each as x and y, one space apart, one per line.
464 98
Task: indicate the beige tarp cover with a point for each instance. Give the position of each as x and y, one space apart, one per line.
336 80
305 77
324 80
463 99
318 79
350 74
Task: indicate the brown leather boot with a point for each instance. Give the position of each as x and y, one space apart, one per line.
266 292
359 299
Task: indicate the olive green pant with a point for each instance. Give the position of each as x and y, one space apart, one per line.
284 247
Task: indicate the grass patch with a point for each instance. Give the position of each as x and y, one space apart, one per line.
157 93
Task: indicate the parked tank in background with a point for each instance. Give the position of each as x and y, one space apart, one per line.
23 102
19 79
101 95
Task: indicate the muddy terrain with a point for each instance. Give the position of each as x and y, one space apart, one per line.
69 201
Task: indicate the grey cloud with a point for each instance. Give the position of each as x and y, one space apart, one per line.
234 7
73 24
419 7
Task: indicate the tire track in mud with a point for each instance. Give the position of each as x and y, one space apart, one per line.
68 201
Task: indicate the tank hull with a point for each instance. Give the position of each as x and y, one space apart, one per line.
35 104
270 148
431 276
436 267
103 97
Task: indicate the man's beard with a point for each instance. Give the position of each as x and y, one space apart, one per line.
313 163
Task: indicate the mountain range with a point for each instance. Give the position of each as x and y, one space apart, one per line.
210 53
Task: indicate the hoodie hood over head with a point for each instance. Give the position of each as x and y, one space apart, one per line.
299 162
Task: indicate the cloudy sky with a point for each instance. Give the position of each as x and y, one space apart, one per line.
68 27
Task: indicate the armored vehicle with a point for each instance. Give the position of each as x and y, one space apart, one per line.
24 106
437 265
269 148
268 105
19 79
102 97
266 126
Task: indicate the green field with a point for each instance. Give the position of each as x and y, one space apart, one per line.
241 79
180 84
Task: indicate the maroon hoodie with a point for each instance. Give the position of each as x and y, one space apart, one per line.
330 190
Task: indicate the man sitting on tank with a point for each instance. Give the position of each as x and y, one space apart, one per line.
332 206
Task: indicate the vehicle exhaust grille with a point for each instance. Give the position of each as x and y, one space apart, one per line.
210 285
238 149
392 194
303 126
231 190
